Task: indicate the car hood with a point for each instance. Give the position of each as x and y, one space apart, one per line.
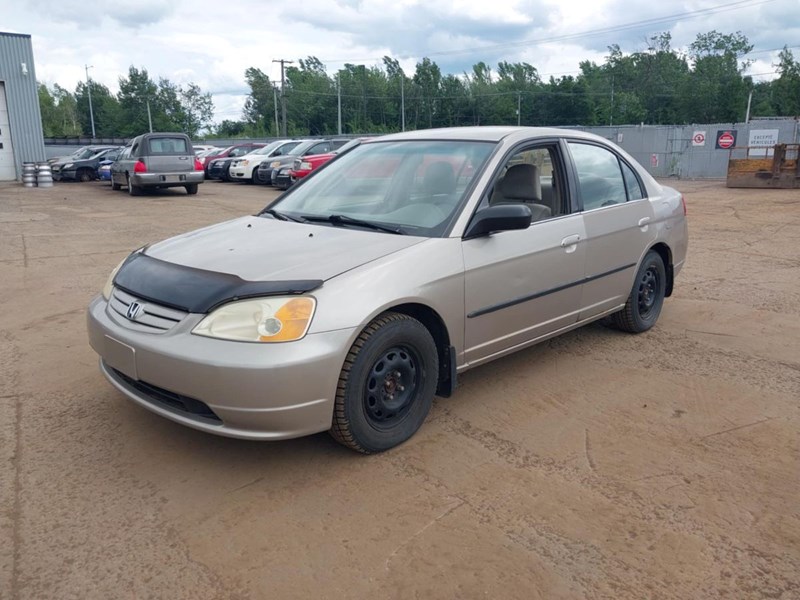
263 249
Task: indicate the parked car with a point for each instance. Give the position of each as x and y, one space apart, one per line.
200 148
400 265
104 170
276 172
218 167
79 153
81 167
157 160
206 156
303 166
245 168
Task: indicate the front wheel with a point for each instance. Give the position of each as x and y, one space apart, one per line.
85 175
387 384
646 298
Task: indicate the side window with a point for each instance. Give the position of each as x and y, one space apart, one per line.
632 183
532 176
321 148
134 149
599 176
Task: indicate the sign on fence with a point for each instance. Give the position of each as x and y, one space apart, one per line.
726 138
762 141
699 138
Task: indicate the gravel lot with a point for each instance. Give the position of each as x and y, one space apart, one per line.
598 465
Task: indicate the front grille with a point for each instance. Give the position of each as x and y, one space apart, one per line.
189 407
151 317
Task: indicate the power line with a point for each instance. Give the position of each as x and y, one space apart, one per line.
588 33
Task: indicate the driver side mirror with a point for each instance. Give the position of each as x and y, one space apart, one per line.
499 217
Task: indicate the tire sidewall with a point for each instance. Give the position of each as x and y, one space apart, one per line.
406 332
651 259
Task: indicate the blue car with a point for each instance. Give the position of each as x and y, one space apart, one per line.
104 170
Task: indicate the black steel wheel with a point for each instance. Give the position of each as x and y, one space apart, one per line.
85 175
644 303
387 384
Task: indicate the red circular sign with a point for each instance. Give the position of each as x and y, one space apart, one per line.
699 138
725 140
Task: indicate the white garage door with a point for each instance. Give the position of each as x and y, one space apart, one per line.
7 170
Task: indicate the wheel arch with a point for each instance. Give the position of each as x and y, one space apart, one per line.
665 253
436 326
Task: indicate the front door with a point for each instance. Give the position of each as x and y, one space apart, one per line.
523 285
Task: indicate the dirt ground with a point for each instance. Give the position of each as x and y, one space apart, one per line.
598 465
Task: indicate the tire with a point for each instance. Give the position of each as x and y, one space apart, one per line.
85 175
387 384
646 298
133 190
115 186
191 189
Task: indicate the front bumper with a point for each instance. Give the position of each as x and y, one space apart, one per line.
175 179
242 172
64 175
281 178
253 391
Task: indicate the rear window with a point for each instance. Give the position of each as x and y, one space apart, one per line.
168 145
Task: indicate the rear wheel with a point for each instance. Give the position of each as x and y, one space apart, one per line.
191 189
646 298
387 384
133 190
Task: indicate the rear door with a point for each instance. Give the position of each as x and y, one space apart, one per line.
168 154
617 219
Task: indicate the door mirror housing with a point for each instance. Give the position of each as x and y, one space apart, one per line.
499 217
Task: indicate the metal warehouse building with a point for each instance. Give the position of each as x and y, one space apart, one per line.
21 138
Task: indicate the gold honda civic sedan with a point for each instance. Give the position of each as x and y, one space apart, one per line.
365 290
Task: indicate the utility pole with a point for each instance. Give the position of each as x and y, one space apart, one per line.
89 90
339 99
519 106
402 102
749 100
283 92
275 101
611 115
149 117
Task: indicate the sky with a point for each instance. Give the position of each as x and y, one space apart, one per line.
212 43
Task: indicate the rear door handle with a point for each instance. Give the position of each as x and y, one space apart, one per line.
570 240
644 221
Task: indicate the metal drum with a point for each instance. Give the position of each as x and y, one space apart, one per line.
44 176
29 174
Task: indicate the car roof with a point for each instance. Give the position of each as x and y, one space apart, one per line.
485 134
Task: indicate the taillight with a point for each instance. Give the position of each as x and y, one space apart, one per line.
198 166
683 201
140 167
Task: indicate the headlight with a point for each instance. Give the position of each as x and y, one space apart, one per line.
244 163
305 166
273 319
275 164
110 282
68 166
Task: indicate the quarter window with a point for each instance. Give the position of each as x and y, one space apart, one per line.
632 183
599 176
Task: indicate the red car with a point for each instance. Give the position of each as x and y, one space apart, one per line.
303 166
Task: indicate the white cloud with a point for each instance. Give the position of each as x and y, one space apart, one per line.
212 43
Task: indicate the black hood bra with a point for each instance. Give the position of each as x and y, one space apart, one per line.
196 290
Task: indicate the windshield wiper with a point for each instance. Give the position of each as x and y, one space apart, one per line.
345 220
283 216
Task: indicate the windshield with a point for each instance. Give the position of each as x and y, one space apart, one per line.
416 186
301 148
85 153
267 149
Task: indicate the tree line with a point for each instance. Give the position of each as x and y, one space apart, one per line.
658 85
125 114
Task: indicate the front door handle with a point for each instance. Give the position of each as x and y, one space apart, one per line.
570 240
644 221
